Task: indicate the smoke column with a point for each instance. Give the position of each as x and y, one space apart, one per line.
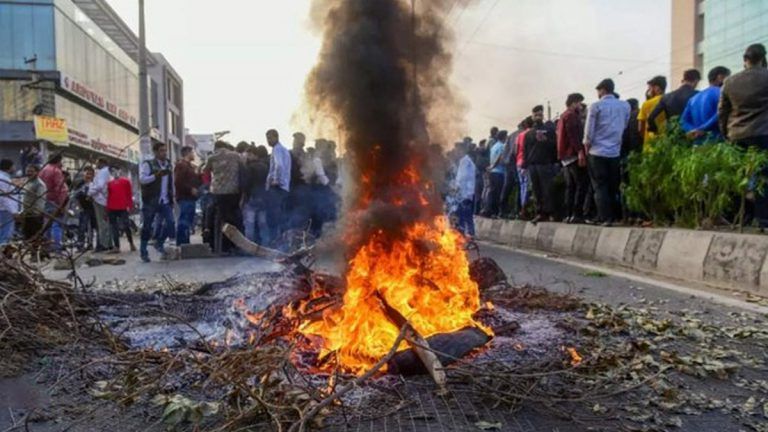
388 87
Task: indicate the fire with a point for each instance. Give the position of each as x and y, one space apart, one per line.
576 358
423 274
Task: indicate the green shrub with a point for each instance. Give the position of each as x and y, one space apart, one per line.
692 186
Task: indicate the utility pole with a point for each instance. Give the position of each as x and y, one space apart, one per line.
145 140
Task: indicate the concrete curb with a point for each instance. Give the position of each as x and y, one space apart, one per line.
726 260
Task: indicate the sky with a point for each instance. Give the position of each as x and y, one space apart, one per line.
244 62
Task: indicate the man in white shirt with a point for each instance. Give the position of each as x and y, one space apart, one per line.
9 205
278 186
464 185
98 192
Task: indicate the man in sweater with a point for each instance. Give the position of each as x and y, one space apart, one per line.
157 199
225 166
570 153
57 197
186 182
540 159
699 120
33 206
606 122
119 206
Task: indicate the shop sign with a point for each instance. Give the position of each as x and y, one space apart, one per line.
51 129
83 92
82 139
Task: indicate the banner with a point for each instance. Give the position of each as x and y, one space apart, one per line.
51 129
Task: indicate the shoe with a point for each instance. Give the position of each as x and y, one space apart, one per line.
145 259
569 220
160 249
133 248
536 220
577 220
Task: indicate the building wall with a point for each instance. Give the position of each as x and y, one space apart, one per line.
729 27
26 32
683 55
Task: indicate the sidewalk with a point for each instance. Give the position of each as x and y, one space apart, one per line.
723 260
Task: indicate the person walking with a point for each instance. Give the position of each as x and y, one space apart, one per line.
98 192
673 104
33 207
278 186
119 207
699 120
606 121
541 161
186 184
56 199
464 187
8 203
743 113
225 166
573 158
157 199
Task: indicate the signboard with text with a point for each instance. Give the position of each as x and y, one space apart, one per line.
127 152
92 97
51 129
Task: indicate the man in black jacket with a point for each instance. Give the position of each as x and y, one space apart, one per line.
673 104
540 159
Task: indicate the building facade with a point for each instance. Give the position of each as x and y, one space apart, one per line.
73 62
709 33
166 99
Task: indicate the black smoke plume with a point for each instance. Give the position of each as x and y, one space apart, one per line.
383 73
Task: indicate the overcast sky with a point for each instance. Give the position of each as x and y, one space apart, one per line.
244 62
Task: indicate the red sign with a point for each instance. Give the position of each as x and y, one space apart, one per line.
83 92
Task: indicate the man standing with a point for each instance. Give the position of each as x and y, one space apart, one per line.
58 192
464 185
254 185
98 192
522 171
606 122
278 186
186 183
673 104
298 200
570 153
225 166
8 205
656 88
743 112
119 206
509 206
540 160
699 119
157 199
33 206
496 175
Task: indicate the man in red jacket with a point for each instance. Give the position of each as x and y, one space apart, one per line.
570 153
119 206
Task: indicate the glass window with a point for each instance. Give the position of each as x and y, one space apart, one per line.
26 32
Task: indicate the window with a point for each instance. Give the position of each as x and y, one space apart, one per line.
26 32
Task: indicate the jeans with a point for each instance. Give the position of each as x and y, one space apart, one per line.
87 221
254 222
186 220
495 185
118 221
55 232
509 202
466 215
148 213
761 199
523 179
276 201
102 225
541 182
576 180
605 174
7 227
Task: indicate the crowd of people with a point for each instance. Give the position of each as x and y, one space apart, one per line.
262 194
512 174
267 193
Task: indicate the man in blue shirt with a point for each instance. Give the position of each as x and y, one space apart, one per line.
699 120
496 171
606 122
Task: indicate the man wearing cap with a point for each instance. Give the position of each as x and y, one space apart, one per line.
673 104
656 88
743 112
604 130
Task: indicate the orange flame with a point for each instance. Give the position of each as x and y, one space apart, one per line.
425 276
576 358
